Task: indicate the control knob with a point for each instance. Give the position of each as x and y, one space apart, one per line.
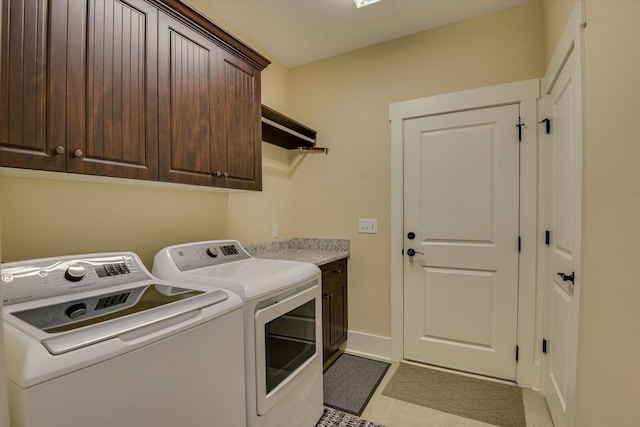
212 252
75 273
76 310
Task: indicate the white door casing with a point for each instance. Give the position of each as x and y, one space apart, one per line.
562 104
461 201
525 94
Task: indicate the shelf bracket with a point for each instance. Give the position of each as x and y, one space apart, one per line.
314 149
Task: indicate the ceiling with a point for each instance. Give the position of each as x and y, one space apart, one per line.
297 32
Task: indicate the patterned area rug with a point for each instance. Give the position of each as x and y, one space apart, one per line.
486 401
335 418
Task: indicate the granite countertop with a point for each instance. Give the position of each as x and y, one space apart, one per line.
315 251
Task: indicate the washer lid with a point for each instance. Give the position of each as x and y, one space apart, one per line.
65 326
252 278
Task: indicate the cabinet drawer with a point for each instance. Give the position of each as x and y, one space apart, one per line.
335 268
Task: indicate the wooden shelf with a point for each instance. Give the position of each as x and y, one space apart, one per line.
285 132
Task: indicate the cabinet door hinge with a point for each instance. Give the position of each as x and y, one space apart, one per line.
544 346
517 352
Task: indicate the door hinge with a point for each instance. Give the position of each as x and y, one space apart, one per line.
547 237
402 251
520 125
547 123
544 346
517 353
519 244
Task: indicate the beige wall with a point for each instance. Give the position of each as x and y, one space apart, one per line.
554 19
609 343
251 215
346 99
47 217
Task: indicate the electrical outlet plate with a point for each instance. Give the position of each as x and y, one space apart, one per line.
368 226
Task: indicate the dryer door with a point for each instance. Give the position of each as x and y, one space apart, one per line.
288 339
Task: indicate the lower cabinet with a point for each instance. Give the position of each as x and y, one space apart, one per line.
334 309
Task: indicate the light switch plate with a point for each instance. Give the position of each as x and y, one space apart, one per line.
368 226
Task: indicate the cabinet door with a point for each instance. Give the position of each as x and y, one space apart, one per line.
239 152
188 102
336 298
28 136
112 114
334 307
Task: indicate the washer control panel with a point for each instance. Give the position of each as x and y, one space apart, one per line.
46 278
206 254
56 315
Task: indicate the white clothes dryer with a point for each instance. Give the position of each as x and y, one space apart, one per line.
282 314
96 340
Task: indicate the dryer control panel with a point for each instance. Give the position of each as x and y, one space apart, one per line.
46 278
206 254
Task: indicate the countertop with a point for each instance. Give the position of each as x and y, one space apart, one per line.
315 251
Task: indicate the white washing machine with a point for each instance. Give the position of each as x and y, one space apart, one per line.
95 340
282 314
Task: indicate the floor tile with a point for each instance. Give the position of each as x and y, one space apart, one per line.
474 423
408 414
377 408
535 409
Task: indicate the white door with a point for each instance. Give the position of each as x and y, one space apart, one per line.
563 145
461 199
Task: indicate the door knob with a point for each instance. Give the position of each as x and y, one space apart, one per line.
567 277
77 153
412 252
59 149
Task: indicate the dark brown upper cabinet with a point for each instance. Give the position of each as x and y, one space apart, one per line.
112 67
30 130
144 89
79 87
239 152
189 103
209 106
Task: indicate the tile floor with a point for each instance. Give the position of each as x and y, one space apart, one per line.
396 413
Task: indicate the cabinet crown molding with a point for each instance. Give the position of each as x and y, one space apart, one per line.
181 10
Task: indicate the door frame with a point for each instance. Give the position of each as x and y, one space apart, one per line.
526 94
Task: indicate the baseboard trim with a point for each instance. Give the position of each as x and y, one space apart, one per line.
373 346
